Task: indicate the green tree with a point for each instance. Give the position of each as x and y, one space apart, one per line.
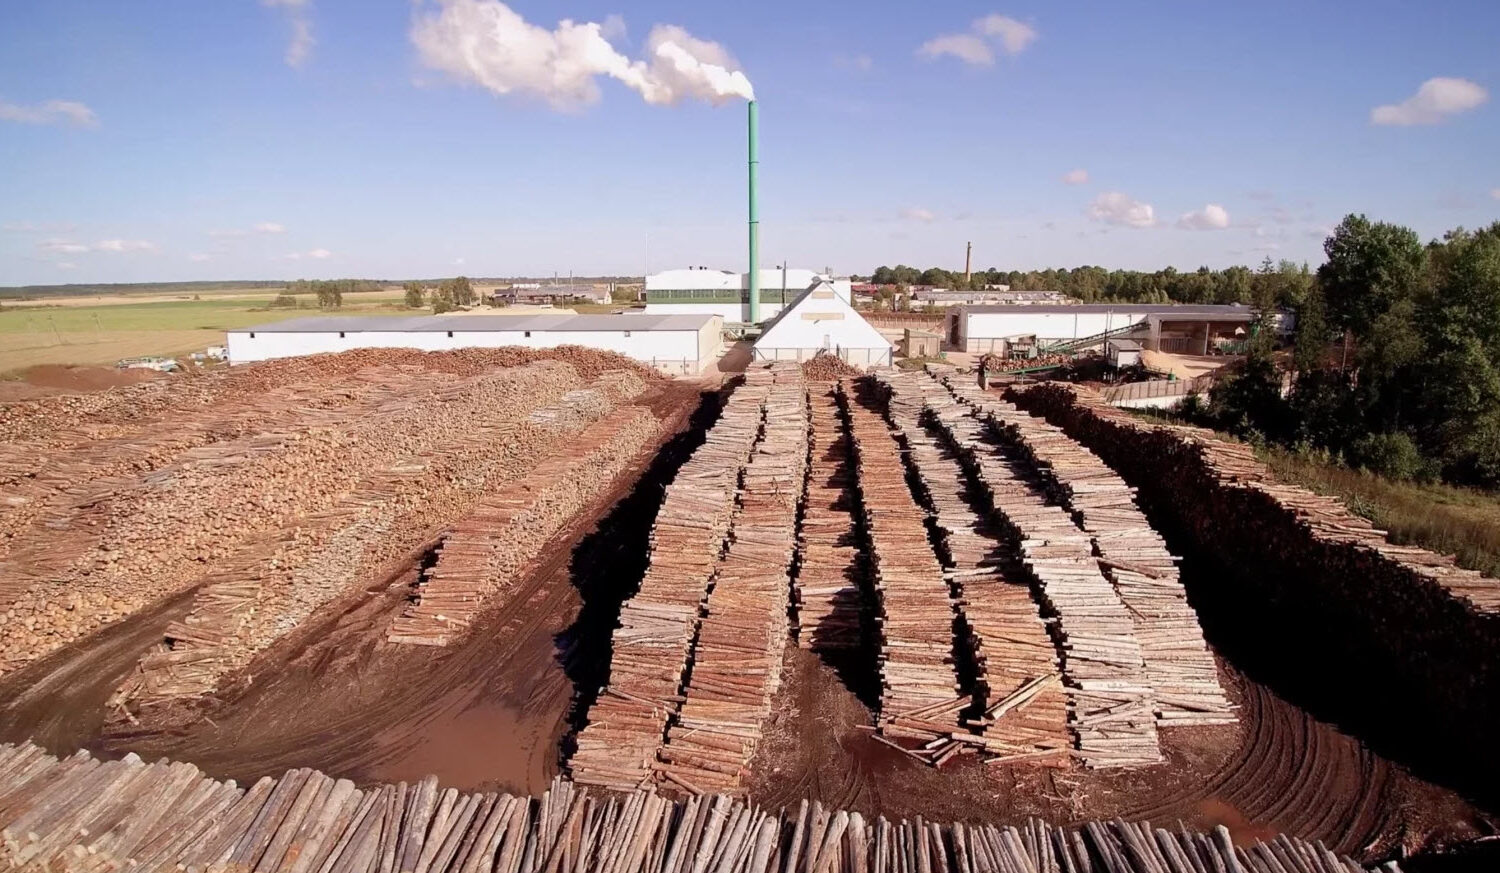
414 295
1370 267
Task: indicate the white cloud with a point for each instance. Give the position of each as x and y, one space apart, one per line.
269 227
485 42
1495 193
199 258
299 49
1436 101
858 63
66 265
977 47
320 254
917 213
125 245
62 246
1076 177
1113 207
50 112
238 232
458 262
1211 217
1014 35
965 46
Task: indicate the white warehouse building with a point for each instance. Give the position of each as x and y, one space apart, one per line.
1183 329
677 345
821 321
727 294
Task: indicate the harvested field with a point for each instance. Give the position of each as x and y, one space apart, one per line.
897 597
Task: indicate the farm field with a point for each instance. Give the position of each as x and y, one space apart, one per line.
893 595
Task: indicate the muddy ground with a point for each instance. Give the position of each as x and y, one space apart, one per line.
496 710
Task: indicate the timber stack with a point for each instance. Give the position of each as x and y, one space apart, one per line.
1020 712
920 698
1109 697
486 553
827 592
737 658
652 642
1183 675
79 814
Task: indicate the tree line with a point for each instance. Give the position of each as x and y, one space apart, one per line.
447 295
1239 284
1396 356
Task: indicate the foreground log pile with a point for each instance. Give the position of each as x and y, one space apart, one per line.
737 657
827 593
80 814
1110 706
1184 678
1020 710
651 645
920 698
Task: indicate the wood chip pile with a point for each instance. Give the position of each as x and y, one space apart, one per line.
628 722
485 553
1020 708
737 658
827 591
1183 675
79 814
1111 711
827 368
920 699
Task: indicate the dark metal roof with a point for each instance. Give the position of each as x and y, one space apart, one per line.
480 323
1231 312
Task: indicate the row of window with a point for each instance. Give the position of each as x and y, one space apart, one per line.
715 295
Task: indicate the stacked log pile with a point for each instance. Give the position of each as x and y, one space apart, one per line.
1423 627
920 699
484 554
1110 707
1179 665
737 658
79 814
1020 708
628 722
827 594
827 368
327 553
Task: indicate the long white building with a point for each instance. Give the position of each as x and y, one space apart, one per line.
677 345
1186 329
727 294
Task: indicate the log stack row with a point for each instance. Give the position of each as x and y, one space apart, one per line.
920 697
650 647
827 591
1110 705
486 552
79 815
1134 557
1020 712
737 657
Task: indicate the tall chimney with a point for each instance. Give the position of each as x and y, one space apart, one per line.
968 254
754 217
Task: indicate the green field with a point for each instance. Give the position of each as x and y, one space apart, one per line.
37 333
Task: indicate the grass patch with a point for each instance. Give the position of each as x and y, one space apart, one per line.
1456 521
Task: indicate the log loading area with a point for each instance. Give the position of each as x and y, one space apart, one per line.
546 610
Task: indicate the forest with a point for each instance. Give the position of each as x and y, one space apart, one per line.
1286 282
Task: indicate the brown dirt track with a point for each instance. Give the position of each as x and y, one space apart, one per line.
493 711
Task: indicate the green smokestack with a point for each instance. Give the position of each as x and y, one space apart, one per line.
754 217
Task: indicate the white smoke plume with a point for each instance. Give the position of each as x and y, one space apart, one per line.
487 43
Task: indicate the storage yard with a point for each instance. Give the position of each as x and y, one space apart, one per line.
545 609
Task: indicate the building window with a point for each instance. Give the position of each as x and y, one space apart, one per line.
627 333
341 334
528 333
252 334
450 334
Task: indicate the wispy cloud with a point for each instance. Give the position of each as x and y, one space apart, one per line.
62 246
1210 217
66 265
857 63
117 246
300 47
50 112
125 245
200 257
1495 193
1076 177
917 213
37 227
315 254
1436 101
263 227
977 47
1113 207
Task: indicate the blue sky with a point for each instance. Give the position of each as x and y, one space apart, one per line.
194 140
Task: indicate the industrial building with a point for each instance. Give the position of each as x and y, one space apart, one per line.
1191 330
677 345
727 294
822 321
